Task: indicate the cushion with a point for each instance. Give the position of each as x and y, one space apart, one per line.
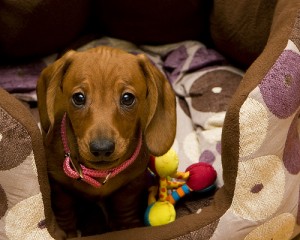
240 29
153 22
25 211
31 28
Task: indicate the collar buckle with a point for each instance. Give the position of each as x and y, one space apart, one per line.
76 168
106 178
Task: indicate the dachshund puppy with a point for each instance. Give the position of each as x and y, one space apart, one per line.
103 112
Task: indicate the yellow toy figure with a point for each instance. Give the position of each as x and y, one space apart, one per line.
197 177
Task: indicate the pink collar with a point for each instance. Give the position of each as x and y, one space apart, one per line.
88 175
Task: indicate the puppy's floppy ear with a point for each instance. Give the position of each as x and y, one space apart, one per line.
160 125
48 91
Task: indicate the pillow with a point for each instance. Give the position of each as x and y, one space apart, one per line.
25 211
260 142
240 29
30 28
153 22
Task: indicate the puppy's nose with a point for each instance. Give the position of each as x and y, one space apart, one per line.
102 147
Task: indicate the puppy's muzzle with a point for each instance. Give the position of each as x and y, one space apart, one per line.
102 147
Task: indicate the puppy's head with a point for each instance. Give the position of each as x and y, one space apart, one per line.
110 97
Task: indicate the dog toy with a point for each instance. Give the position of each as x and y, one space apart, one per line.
198 177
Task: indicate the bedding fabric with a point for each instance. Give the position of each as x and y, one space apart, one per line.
250 120
25 211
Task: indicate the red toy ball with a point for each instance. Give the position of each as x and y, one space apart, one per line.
202 175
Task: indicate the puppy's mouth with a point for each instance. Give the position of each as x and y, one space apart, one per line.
129 150
107 163
101 164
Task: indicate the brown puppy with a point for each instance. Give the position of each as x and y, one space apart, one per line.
118 110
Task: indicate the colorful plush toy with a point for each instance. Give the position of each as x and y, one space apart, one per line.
197 177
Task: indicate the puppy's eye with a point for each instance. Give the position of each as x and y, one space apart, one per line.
78 99
127 99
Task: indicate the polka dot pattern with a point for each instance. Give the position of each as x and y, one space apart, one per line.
257 188
21 221
278 228
219 147
191 147
269 156
260 185
21 203
207 156
291 154
281 86
15 145
216 120
42 224
204 84
213 91
184 106
205 57
174 62
253 126
216 90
